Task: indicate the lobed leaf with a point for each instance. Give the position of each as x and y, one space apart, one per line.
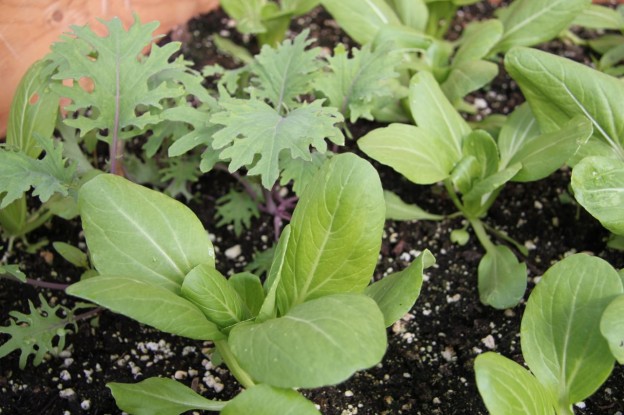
560 333
236 208
159 396
131 230
320 342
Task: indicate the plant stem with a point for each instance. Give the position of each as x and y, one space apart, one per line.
45 284
479 230
521 248
230 360
449 189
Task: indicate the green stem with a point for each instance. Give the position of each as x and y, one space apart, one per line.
523 250
36 220
451 191
482 235
230 360
565 409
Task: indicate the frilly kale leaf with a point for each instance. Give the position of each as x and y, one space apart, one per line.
236 208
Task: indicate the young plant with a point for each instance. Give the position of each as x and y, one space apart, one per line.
561 341
474 167
559 90
314 321
267 19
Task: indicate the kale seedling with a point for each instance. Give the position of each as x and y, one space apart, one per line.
474 167
561 340
315 320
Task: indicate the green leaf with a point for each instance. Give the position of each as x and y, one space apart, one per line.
269 306
397 209
126 83
502 279
261 262
267 400
435 114
467 77
396 294
148 304
247 13
421 156
482 189
71 254
559 89
320 342
529 22
298 172
131 230
600 17
598 184
249 289
335 233
255 134
612 327
413 13
354 84
480 145
477 41
14 271
519 127
560 331
209 290
33 111
361 19
236 208
282 75
38 333
509 389
299 7
48 175
159 396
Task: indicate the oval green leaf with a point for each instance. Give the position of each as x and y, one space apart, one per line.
560 330
148 304
612 327
397 209
320 342
267 400
159 396
132 230
509 389
502 279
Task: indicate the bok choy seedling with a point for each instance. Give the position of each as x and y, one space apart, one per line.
315 320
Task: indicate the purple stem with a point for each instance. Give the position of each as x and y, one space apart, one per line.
45 284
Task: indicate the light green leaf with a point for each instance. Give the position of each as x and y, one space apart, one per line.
249 288
209 290
483 188
269 306
320 342
33 111
519 127
397 209
598 184
509 389
14 271
600 17
435 114
477 40
148 304
267 400
72 254
159 396
298 7
355 84
480 145
298 172
413 13
255 134
612 327
559 89
529 22
247 13
560 331
335 233
541 155
502 279
126 83
131 230
282 75
361 19
421 156
396 294
467 77
47 176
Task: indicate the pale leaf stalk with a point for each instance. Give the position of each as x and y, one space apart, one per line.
481 234
230 360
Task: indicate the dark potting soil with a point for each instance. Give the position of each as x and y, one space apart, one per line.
428 368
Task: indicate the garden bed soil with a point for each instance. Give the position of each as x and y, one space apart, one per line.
428 368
